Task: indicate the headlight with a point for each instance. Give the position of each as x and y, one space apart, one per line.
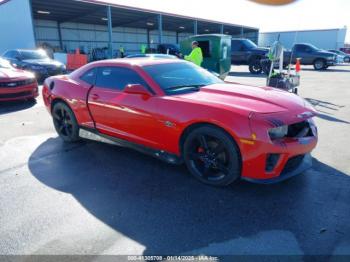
29 81
278 132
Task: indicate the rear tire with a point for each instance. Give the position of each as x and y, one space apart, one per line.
212 156
65 122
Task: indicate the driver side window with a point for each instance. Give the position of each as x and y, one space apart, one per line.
116 78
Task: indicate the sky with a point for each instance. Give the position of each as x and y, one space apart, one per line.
300 15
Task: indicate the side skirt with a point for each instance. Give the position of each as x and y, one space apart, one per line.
93 134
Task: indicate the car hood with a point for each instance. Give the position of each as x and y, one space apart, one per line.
43 62
326 53
262 49
8 74
246 98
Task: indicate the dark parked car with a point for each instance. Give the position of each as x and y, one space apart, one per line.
246 52
169 49
310 55
345 56
152 56
36 61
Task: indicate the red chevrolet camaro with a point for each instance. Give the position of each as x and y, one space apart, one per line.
16 84
180 112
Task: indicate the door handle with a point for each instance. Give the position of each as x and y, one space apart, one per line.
95 96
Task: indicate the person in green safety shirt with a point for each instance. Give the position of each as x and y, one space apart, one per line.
196 56
143 49
121 51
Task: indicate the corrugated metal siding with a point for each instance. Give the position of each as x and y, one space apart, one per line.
88 36
325 39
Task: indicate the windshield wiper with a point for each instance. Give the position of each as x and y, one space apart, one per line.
197 87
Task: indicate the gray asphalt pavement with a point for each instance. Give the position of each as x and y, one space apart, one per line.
94 198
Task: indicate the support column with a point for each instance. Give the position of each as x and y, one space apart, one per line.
222 29
109 17
195 27
160 28
60 35
177 37
148 38
242 32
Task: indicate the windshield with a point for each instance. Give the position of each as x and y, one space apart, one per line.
183 77
314 47
4 63
249 44
29 54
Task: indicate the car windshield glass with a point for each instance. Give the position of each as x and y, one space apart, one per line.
250 44
314 47
4 64
181 77
28 54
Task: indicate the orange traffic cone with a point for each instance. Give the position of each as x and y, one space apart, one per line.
297 66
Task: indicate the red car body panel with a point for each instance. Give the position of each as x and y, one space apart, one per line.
244 112
14 85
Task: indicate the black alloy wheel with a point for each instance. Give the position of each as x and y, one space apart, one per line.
65 122
212 156
255 67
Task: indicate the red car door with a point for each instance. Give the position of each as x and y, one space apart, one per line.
127 116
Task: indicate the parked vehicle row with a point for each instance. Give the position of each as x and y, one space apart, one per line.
246 52
343 57
35 61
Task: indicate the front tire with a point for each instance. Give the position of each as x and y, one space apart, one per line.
212 156
319 64
255 67
65 122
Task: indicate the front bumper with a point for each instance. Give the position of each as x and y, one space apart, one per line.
47 72
331 63
301 166
19 93
265 159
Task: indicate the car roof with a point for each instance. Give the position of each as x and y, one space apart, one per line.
139 61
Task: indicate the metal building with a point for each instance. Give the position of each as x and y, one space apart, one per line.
88 24
324 39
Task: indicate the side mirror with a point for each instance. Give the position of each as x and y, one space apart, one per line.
137 89
18 58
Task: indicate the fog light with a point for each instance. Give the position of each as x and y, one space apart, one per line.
271 161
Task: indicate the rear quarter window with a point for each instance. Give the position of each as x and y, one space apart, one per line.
89 77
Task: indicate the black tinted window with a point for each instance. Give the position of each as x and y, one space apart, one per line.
33 54
117 78
89 77
236 46
303 48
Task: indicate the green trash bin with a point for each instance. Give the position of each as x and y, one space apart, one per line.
216 49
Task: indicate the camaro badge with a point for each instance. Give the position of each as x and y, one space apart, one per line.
168 124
